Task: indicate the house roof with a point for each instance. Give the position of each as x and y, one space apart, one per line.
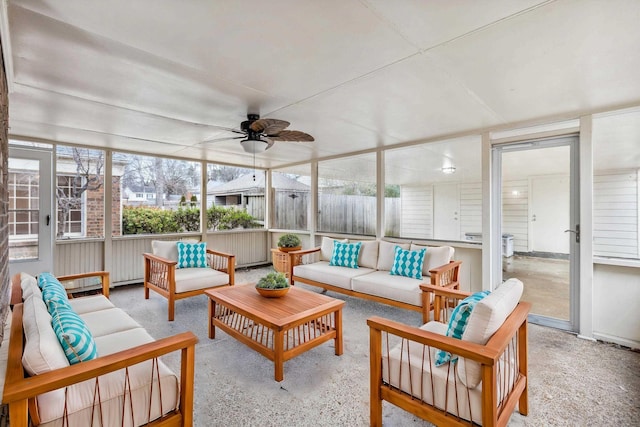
246 184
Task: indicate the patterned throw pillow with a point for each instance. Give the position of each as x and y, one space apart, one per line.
52 291
458 323
345 254
192 255
408 263
74 336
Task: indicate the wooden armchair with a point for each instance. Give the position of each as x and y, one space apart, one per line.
485 384
162 275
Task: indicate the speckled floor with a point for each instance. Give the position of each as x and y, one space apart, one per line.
573 382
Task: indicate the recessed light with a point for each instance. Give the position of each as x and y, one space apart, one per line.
448 169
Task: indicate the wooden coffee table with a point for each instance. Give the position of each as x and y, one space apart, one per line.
278 328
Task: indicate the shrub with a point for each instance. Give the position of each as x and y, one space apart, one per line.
148 220
289 240
273 280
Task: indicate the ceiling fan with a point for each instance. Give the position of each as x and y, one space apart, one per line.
260 134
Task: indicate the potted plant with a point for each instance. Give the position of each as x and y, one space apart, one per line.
289 242
273 285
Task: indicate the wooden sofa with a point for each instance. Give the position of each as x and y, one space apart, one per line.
127 384
162 275
485 384
372 279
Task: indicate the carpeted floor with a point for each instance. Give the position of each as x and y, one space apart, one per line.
573 382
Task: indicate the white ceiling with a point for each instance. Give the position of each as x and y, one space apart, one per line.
161 77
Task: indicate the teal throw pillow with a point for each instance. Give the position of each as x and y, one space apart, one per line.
457 324
74 336
44 278
192 255
408 263
52 291
345 254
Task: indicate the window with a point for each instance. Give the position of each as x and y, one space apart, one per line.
23 204
158 195
616 184
292 197
235 197
434 190
347 195
79 192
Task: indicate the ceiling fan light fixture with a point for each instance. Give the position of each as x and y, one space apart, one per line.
254 145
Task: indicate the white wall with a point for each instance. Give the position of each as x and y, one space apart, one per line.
616 293
416 219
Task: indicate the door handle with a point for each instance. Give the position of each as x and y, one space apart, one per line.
48 219
576 232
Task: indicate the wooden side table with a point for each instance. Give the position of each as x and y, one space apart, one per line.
280 261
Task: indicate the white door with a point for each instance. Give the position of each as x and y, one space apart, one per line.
30 206
446 212
549 214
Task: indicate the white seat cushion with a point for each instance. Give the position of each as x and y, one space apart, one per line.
90 303
412 380
330 274
191 279
485 319
123 340
51 405
105 322
383 284
167 248
29 285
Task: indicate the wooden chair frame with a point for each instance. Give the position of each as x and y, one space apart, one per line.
160 276
20 390
495 412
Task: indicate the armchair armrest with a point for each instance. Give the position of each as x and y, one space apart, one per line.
224 262
156 258
442 297
295 258
446 275
104 279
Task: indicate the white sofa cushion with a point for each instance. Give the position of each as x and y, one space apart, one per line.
437 385
368 256
123 340
485 319
105 322
331 275
29 285
80 398
90 303
435 257
326 248
386 254
42 351
383 284
191 279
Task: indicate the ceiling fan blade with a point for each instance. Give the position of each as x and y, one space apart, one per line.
293 135
224 138
270 127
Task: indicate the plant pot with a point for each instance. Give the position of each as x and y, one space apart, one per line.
295 248
272 293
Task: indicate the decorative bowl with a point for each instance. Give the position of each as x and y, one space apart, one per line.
272 293
295 248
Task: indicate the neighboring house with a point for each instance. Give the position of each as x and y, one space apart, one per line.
247 192
137 195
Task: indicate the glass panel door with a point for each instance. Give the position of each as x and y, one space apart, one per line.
30 197
540 227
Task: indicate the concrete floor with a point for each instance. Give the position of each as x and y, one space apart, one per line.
546 283
573 382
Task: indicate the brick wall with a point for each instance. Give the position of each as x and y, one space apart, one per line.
4 199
